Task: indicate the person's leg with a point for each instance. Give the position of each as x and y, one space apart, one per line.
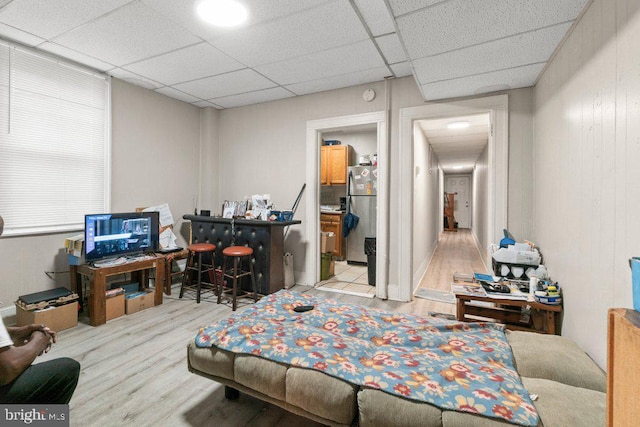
51 382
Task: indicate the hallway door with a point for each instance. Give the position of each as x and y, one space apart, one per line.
462 186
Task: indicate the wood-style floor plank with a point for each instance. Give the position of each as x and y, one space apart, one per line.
134 368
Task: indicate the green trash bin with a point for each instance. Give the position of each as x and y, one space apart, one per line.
325 265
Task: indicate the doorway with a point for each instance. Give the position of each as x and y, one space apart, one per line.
460 185
494 173
315 131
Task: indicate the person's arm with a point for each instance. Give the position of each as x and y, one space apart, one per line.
14 360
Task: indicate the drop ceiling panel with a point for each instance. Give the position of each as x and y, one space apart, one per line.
377 16
129 34
515 51
337 82
400 7
205 104
183 12
48 19
253 97
401 69
328 63
134 79
190 63
459 23
173 93
75 56
10 33
391 48
482 83
330 25
232 83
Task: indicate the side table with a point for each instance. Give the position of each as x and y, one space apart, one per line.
509 312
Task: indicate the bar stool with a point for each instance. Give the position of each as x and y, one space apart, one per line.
239 254
195 252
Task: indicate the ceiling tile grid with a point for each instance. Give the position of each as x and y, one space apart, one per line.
509 52
129 34
455 47
190 63
473 85
377 16
342 60
232 83
330 25
256 97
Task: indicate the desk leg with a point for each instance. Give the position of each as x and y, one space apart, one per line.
75 281
460 310
159 281
97 299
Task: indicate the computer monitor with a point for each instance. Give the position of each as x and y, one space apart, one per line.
111 235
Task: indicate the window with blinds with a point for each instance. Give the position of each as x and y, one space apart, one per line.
54 142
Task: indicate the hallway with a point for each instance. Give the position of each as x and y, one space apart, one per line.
456 252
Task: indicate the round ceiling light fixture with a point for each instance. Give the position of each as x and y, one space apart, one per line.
222 13
458 125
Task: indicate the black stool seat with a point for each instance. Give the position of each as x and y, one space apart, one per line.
196 264
238 254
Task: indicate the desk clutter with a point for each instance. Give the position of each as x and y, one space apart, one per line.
519 292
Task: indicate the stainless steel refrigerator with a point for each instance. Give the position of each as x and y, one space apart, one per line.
361 195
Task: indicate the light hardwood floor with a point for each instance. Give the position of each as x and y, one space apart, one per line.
134 368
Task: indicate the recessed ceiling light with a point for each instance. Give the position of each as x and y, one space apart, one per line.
223 13
457 167
458 125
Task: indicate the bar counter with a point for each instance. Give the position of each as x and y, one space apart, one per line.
266 238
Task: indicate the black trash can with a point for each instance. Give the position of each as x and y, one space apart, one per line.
370 252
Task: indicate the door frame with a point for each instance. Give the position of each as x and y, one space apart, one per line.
498 170
315 128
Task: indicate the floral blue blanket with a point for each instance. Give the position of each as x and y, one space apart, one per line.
453 365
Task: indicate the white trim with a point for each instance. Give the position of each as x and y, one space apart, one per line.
498 168
312 218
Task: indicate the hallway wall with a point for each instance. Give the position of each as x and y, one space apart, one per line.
426 198
480 205
587 179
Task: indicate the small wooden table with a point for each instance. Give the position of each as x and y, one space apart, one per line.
98 282
508 312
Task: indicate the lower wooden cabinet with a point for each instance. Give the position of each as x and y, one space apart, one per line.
332 222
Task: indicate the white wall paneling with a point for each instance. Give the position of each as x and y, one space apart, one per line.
587 191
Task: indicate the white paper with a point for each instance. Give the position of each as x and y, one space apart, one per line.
166 218
167 239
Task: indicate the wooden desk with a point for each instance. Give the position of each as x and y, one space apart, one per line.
509 313
98 282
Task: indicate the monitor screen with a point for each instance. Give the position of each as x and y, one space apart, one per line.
115 234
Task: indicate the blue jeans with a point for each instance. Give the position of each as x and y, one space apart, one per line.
50 382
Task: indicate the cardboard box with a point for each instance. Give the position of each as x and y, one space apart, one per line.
115 307
327 242
139 301
57 318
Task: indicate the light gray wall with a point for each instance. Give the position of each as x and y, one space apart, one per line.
520 219
587 192
426 205
479 204
156 152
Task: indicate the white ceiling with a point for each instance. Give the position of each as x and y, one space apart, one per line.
294 47
457 149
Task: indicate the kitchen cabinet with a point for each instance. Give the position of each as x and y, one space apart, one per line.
334 161
332 222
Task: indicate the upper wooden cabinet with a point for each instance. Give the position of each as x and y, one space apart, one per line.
334 161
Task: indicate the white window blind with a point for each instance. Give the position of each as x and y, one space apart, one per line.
54 142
